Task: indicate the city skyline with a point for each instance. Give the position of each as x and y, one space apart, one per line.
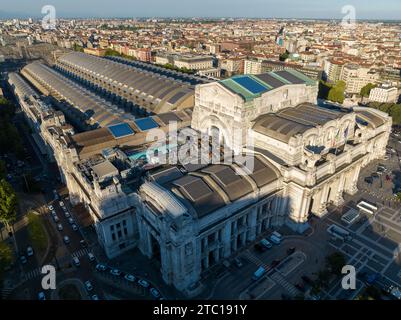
286 9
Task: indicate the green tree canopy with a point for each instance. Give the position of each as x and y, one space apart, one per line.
365 91
3 170
284 56
336 262
6 256
8 203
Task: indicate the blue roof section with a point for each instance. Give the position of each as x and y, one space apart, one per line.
120 130
146 124
250 84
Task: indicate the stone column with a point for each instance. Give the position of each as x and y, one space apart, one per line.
252 224
226 239
338 199
352 180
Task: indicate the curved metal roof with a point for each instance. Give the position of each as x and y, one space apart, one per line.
150 84
292 121
85 101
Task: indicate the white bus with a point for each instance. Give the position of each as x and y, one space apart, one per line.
366 207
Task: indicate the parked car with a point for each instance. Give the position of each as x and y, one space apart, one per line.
88 286
74 227
76 261
260 248
300 287
115 272
91 257
275 263
29 251
23 259
61 203
266 243
290 250
101 267
154 293
66 239
41 296
60 227
143 283
71 221
129 277
307 280
238 262
67 214
95 297
56 219
51 208
54 213
83 243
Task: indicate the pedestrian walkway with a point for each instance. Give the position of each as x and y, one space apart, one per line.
5 293
281 281
80 253
251 257
32 274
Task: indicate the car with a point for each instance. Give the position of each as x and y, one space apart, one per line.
300 287
29 251
115 272
226 264
83 243
129 277
307 280
88 286
266 243
71 221
66 239
260 248
76 261
74 227
238 262
60 227
61 203
64 209
369 180
41 296
274 239
290 250
54 213
154 293
51 208
56 219
23 259
91 257
275 263
95 297
101 267
143 283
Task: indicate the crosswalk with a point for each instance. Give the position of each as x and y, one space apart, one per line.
32 274
5 293
80 253
251 257
281 281
37 272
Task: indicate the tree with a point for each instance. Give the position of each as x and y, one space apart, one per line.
284 56
365 91
6 256
336 262
3 170
8 203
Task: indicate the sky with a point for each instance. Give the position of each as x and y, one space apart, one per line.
316 9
